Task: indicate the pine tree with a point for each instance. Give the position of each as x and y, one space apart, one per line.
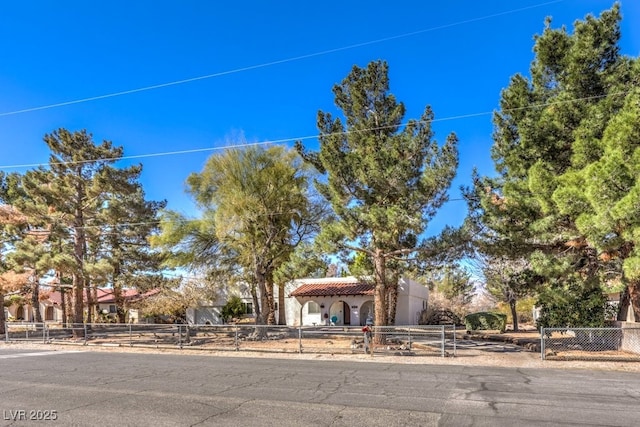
74 190
384 180
550 130
127 221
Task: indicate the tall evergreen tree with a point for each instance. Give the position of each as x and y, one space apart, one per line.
12 224
128 221
74 190
384 180
549 127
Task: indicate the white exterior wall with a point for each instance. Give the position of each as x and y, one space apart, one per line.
329 307
57 312
29 315
210 312
412 299
204 315
27 312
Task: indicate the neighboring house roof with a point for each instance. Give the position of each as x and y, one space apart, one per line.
55 298
333 286
105 296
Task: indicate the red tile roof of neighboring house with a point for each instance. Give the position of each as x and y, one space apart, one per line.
55 297
333 289
105 295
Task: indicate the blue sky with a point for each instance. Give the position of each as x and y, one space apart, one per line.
272 66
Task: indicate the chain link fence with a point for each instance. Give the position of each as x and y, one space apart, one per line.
389 340
590 344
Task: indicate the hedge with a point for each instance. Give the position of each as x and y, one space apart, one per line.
486 320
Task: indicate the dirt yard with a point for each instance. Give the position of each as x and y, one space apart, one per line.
469 353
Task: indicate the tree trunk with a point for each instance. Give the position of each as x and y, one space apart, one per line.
263 316
379 296
118 298
78 300
629 308
35 299
79 244
2 318
78 286
261 319
63 305
90 304
271 317
392 299
514 314
256 302
94 302
282 318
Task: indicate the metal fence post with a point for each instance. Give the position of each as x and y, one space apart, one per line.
180 336
443 340
409 337
300 338
6 332
454 340
130 336
236 343
44 333
84 325
542 343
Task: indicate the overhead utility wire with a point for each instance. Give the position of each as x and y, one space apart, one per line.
272 63
302 138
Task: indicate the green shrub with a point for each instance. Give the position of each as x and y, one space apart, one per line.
572 303
485 321
234 308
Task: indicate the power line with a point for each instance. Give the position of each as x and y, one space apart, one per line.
277 62
307 137
182 220
139 156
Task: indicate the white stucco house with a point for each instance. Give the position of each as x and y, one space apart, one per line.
332 300
348 301
210 312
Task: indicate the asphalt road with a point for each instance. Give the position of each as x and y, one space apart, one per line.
128 389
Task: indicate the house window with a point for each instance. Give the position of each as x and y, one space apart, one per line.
112 308
248 308
275 306
313 308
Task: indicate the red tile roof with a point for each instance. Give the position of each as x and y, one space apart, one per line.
55 297
333 289
105 295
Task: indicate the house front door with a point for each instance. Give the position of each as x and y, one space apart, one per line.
347 313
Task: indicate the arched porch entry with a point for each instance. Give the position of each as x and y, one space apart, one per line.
20 313
366 312
340 313
311 313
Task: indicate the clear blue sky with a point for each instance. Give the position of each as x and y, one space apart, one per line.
459 57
